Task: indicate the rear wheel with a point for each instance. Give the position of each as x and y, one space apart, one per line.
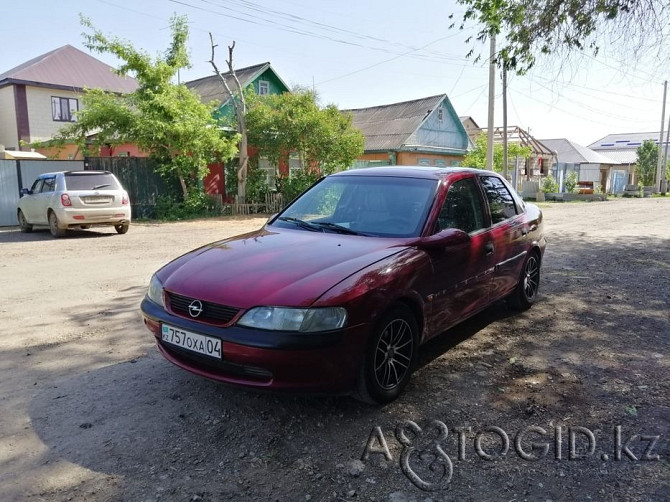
528 287
54 227
390 357
122 228
23 223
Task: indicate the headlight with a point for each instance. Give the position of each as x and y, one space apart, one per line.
155 293
290 319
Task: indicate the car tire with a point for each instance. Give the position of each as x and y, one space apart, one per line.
122 228
54 226
23 223
526 291
390 357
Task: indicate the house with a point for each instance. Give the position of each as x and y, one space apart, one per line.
264 80
589 164
622 148
471 127
40 96
424 131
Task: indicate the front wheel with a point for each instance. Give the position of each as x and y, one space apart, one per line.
54 227
122 228
23 223
390 357
526 291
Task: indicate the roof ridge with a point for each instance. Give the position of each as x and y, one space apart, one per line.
398 103
227 72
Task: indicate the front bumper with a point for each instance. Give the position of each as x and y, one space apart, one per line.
304 362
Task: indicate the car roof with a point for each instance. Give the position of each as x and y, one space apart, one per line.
425 172
76 173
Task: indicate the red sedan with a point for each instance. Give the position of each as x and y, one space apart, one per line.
338 291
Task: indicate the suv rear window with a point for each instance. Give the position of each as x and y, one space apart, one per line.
93 181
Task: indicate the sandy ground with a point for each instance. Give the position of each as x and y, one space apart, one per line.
90 411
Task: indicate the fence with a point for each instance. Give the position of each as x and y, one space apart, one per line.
139 177
18 174
273 204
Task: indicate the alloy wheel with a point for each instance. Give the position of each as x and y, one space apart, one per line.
393 355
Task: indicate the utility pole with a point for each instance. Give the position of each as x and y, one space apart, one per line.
659 166
504 97
492 89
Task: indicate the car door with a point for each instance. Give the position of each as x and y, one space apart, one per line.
44 199
461 274
28 203
508 232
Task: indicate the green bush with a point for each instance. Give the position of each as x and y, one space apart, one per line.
571 182
299 181
197 205
549 185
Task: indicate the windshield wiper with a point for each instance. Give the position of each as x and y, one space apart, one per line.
301 223
336 228
100 186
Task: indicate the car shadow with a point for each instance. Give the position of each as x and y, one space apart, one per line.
42 234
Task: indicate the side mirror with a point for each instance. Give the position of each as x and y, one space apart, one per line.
446 238
25 191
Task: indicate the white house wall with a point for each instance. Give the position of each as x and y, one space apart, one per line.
8 134
40 118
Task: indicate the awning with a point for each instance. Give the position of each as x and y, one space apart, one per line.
18 155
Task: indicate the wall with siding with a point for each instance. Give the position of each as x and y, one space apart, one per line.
42 124
8 135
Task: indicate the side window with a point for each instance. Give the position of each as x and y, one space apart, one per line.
500 199
462 208
37 186
49 185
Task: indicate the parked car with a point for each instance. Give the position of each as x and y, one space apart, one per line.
70 199
338 291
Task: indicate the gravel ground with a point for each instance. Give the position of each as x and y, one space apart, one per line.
90 411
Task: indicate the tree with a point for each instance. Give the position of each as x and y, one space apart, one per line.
534 27
477 156
647 162
239 104
162 118
323 138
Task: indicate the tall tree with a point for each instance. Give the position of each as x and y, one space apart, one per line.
239 104
534 27
477 156
647 162
293 122
165 119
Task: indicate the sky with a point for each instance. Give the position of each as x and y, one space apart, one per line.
357 54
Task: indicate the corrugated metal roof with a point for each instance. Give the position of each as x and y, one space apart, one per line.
68 67
621 156
625 140
211 88
573 153
388 127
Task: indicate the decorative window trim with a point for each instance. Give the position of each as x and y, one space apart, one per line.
263 87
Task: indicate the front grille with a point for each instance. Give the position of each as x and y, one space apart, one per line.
211 312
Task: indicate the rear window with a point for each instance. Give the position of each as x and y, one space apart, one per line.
96 181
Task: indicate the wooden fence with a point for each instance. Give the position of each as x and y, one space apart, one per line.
273 204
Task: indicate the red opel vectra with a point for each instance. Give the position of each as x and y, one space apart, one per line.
338 291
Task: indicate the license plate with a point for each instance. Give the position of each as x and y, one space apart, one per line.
191 341
97 199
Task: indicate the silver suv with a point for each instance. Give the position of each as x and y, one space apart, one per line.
74 199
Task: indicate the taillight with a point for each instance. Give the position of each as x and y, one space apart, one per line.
124 200
65 200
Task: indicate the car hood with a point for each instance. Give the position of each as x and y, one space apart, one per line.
273 266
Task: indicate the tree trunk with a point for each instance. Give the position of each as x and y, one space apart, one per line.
242 170
184 190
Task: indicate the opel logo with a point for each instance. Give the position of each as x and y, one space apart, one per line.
195 308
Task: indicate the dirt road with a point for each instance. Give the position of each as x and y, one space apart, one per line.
90 411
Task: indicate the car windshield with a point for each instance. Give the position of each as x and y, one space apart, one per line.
93 181
383 206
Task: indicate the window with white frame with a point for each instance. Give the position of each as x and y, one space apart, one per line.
270 172
424 162
63 109
263 87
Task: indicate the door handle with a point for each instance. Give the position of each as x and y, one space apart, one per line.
488 248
